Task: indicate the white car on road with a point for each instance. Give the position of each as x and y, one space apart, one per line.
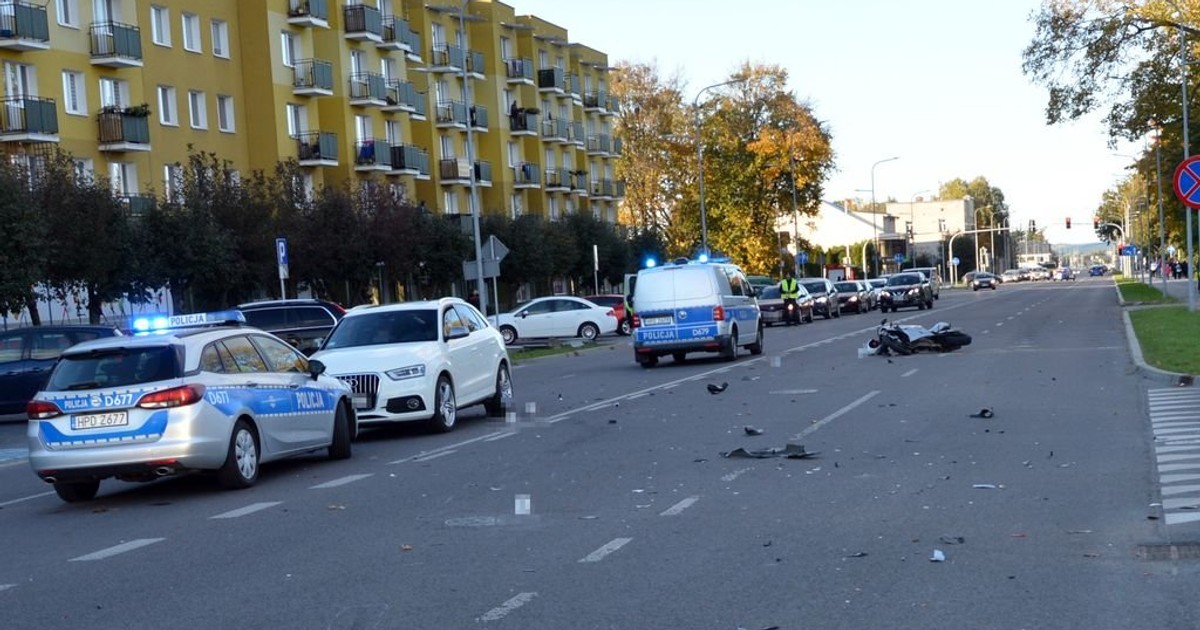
559 316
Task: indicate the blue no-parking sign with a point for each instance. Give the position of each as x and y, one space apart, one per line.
1187 182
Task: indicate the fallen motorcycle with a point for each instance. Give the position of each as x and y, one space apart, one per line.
904 339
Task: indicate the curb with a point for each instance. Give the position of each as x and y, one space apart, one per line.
1135 352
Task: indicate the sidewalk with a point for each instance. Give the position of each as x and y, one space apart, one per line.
1177 289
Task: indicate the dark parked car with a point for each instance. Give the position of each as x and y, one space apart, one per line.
906 289
984 280
302 323
824 294
853 295
27 354
774 310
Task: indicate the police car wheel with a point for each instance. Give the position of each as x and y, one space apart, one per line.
730 351
445 407
77 491
647 361
340 447
756 348
240 469
509 334
589 331
679 357
499 402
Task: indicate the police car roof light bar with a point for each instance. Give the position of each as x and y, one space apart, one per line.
232 317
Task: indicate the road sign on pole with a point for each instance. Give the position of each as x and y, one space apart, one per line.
898 257
1187 182
802 258
281 259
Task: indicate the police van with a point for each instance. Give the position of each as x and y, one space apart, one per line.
694 306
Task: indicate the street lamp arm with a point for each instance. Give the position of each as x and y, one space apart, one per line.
700 161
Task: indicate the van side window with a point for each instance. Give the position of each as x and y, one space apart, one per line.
736 282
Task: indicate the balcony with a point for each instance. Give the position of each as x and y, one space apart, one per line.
409 160
602 189
552 80
478 117
456 172
554 130
411 40
372 155
579 183
519 71
116 45
368 89
483 173
446 58
121 132
575 134
23 26
599 145
402 96
475 65
451 115
363 23
595 101
317 148
312 77
619 191
618 147
28 119
558 180
613 107
138 205
393 34
311 13
573 84
527 175
523 123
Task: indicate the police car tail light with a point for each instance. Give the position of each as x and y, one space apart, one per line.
174 397
718 313
637 321
41 410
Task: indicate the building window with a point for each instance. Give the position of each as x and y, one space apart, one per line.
362 128
288 46
160 26
517 203
19 79
225 113
123 176
220 38
450 199
114 92
297 119
74 94
196 110
395 135
168 110
191 32
85 171
68 12
172 181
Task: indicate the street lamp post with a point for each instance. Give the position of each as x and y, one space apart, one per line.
1183 64
874 214
472 204
1162 239
700 161
912 223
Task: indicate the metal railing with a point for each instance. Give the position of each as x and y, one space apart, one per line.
368 152
318 9
452 112
447 55
117 126
527 174
312 74
28 114
519 68
368 85
552 78
22 20
406 157
360 18
113 39
316 145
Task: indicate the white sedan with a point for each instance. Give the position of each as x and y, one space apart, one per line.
419 361
559 316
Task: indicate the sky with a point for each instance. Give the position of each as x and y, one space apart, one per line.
937 83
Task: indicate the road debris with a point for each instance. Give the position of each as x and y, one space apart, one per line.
988 486
752 431
952 540
791 451
937 556
715 389
983 413
858 554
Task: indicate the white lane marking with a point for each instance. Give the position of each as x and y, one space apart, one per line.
609 547
249 509
501 611
999 324
447 447
501 436
909 373
1181 517
1190 503
672 385
1010 317
734 475
117 549
333 483
1177 467
434 456
1162 459
792 392
5 587
636 396
1176 449
1178 478
674 510
833 416
1180 489
28 498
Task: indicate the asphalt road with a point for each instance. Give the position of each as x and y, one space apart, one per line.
635 520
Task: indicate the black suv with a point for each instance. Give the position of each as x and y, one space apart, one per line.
909 288
302 323
824 295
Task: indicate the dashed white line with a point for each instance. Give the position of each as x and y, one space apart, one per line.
117 549
333 483
434 456
501 436
636 396
674 510
501 611
5 587
909 373
609 547
23 499
448 447
833 416
249 509
998 324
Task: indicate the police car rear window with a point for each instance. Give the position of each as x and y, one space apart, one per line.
118 367
681 284
384 328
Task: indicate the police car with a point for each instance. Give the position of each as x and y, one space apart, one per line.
189 393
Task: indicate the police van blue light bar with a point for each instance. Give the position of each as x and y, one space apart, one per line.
193 320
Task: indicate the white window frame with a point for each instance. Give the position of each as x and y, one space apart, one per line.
358 61
450 199
160 25
363 128
20 79
74 93
225 114
168 106
393 132
220 38
191 31
123 176
114 92
67 13
197 109
297 119
172 181
289 44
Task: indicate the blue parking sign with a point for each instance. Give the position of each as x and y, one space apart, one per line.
899 258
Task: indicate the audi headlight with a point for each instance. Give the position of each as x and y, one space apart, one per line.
821 299
407 372
914 292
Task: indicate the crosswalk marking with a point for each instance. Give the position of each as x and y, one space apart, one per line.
1175 421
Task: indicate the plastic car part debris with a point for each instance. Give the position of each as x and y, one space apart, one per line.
752 430
983 413
715 389
986 486
791 451
937 556
858 554
952 540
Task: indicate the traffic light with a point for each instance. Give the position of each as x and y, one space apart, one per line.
1068 223
1032 225
1096 223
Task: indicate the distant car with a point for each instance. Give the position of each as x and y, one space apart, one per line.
824 294
419 362
758 282
616 302
774 310
559 316
934 277
984 280
852 295
1064 273
300 322
28 354
876 285
1011 275
201 394
906 289
1097 270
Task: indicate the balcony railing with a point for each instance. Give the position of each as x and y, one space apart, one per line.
599 144
519 70
526 174
573 84
619 192
575 133
367 88
551 79
579 182
614 105
595 101
523 121
27 118
316 148
371 153
452 170
312 76
412 40
447 57
138 205
618 147
23 26
406 157
602 188
392 33
475 63
309 12
121 131
558 178
452 113
483 172
115 44
554 129
478 116
363 22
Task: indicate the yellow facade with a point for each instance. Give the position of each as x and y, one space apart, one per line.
388 90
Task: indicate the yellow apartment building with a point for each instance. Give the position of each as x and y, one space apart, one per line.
394 91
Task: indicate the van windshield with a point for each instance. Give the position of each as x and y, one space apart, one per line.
683 283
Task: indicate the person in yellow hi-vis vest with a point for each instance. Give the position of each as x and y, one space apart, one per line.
789 289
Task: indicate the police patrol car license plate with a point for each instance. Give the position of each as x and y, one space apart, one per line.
658 321
100 420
